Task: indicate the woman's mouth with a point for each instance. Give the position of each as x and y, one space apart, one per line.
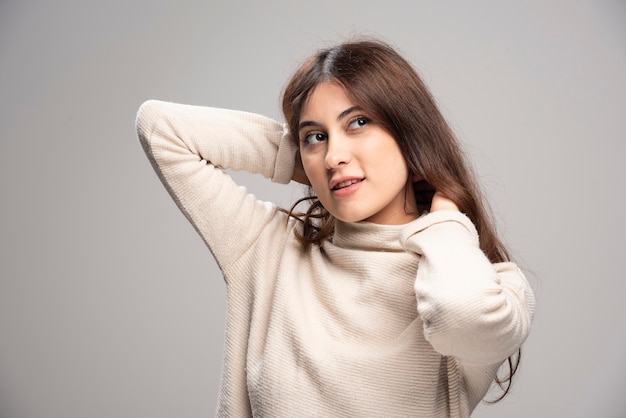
347 187
346 183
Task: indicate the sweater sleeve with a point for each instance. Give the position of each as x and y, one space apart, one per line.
473 310
188 145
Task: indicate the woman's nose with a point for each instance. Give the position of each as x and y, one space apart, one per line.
338 152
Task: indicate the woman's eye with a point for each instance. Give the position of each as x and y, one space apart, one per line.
358 122
313 138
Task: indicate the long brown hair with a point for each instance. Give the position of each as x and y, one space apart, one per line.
387 87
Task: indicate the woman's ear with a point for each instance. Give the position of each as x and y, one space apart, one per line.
416 177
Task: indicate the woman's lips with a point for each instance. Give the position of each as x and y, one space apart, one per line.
346 183
347 187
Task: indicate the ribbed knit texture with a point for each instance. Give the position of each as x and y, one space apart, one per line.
384 321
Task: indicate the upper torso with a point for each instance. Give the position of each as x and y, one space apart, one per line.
383 321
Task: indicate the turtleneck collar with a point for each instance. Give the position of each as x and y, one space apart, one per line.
368 236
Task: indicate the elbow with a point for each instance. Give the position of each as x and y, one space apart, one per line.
479 331
146 119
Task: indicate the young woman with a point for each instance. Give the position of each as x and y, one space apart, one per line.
380 299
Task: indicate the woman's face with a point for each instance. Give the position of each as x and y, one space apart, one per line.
353 164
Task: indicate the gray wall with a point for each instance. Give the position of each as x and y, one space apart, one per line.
111 306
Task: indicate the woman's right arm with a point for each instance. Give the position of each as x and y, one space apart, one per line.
187 145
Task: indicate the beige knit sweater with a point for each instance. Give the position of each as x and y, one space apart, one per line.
384 321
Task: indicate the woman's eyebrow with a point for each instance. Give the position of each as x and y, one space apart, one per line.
307 123
348 111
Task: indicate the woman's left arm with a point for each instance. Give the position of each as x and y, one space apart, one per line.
474 310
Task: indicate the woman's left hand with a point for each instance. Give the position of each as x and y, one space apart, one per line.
440 202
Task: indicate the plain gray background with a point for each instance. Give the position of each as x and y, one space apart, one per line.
111 306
